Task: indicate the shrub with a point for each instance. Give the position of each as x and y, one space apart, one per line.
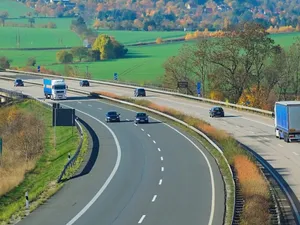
31 61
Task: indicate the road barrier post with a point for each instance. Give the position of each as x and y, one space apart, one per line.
26 200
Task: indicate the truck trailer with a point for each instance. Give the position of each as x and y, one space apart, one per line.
55 89
287 120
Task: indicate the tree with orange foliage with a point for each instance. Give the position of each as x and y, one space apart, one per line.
159 40
97 24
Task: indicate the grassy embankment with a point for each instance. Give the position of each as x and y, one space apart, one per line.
39 174
254 187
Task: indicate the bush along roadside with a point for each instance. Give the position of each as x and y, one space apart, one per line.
40 180
253 186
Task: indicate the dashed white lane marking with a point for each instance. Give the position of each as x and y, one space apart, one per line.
127 119
266 138
89 105
154 198
295 153
252 132
100 108
158 149
160 182
142 218
135 124
148 135
79 102
162 169
142 129
154 142
162 158
280 145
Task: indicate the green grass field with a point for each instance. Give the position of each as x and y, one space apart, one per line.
129 37
61 23
38 37
48 167
14 9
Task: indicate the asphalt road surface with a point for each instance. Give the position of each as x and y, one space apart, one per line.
134 174
255 131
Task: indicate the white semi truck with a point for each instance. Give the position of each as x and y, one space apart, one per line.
55 89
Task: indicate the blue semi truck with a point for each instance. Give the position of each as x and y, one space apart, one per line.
55 89
287 120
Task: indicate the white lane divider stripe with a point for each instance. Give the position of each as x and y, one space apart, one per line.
295 153
148 135
142 218
112 174
79 102
142 129
99 108
154 198
162 169
89 105
154 142
161 158
158 149
160 182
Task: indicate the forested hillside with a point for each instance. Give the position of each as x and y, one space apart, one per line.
174 15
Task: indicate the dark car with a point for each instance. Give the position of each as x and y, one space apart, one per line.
84 83
141 118
112 116
216 112
18 82
139 92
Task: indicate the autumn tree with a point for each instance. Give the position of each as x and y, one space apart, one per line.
79 52
4 62
108 47
3 17
97 24
64 56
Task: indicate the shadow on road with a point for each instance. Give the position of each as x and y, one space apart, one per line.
93 155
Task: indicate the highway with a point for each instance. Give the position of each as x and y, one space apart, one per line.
255 131
134 174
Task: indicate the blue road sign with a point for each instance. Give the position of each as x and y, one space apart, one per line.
39 69
199 88
115 76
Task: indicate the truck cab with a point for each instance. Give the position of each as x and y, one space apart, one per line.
55 89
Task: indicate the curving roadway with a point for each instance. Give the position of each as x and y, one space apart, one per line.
134 174
255 131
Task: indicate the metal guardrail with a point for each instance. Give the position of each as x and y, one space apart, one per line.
71 162
157 90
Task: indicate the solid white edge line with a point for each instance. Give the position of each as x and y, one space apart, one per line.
142 218
117 164
160 182
154 198
207 161
212 209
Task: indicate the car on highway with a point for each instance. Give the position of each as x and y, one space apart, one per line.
141 118
139 92
112 116
18 83
216 111
84 83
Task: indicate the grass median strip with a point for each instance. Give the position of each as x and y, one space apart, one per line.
40 178
254 187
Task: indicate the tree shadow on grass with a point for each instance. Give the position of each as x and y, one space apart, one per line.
136 56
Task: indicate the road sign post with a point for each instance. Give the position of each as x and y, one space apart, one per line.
39 68
199 89
115 76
